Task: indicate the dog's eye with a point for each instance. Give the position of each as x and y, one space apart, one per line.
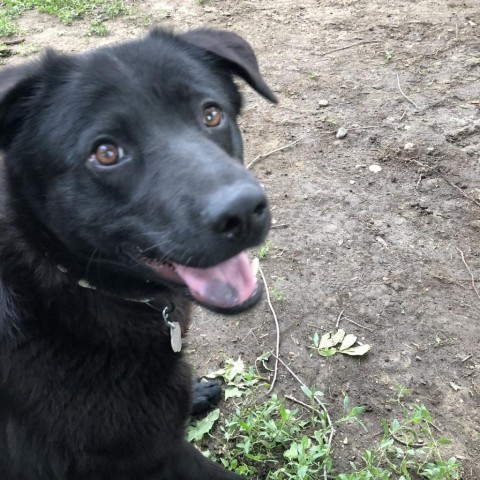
108 154
212 116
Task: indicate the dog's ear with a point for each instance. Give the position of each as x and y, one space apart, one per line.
236 51
16 85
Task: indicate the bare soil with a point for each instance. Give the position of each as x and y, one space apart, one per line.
384 248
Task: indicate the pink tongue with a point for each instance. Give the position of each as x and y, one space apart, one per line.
226 285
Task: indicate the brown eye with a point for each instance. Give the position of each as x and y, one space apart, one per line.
108 154
212 116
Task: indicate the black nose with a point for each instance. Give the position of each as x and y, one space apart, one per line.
239 212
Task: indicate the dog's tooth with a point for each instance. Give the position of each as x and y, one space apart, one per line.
255 266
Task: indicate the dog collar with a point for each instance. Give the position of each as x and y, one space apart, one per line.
84 283
173 327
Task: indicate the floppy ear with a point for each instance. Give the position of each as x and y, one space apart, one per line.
236 51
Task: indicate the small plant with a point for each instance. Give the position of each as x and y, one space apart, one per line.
65 10
98 28
146 21
402 392
5 51
237 378
8 26
313 75
267 439
388 56
275 442
277 295
409 449
25 50
264 250
331 121
276 292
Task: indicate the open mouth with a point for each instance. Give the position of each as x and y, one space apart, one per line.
230 285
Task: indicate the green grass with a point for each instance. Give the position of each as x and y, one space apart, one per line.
66 10
98 28
273 439
264 250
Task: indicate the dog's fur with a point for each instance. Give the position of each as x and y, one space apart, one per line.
90 388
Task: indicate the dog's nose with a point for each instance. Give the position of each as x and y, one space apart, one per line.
239 212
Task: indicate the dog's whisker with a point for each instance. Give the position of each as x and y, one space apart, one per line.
90 260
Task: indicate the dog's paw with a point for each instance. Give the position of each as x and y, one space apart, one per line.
206 395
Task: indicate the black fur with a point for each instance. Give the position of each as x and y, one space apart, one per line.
90 387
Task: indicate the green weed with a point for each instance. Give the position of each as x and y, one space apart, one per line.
270 440
5 51
276 292
277 295
65 10
25 50
98 28
264 250
409 449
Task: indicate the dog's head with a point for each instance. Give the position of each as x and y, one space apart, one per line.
124 165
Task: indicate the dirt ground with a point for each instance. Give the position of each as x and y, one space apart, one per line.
385 248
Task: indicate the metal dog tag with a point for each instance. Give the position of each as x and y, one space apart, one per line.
175 332
175 336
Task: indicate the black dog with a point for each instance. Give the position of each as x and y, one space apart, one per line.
124 197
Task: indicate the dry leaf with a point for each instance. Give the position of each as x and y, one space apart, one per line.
356 351
338 337
326 341
348 341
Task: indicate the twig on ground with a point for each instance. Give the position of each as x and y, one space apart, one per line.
460 190
277 344
365 42
474 386
278 227
442 175
265 155
470 272
367 128
401 91
13 42
414 444
250 332
339 318
416 162
303 404
322 406
438 429
358 324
